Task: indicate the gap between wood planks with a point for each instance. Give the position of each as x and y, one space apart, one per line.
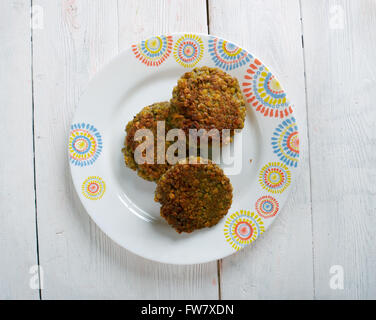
33 132
308 146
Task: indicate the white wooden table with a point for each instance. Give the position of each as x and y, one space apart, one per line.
324 53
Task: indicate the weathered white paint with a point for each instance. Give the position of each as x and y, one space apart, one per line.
17 205
340 53
141 19
279 264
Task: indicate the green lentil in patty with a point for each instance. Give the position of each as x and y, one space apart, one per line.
146 119
207 98
193 196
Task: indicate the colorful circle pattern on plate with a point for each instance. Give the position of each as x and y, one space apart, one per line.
263 91
93 188
85 144
275 177
243 227
189 50
267 206
285 142
153 51
227 55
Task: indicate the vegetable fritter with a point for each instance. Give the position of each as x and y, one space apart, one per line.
207 98
146 119
193 196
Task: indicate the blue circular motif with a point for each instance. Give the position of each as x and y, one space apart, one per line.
273 94
153 51
85 144
82 151
267 206
262 78
285 142
227 55
264 92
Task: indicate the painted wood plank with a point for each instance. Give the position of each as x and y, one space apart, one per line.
17 203
141 19
340 54
78 259
279 264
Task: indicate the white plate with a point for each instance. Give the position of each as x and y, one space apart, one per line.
122 204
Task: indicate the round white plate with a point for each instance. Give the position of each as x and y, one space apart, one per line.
122 204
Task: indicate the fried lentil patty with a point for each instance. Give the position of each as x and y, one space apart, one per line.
207 98
193 196
146 119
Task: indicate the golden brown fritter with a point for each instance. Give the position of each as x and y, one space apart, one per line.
193 196
146 119
207 98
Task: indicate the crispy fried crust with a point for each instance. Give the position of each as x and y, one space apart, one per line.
207 98
193 196
146 119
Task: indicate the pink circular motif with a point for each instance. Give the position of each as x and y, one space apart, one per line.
267 206
93 188
244 230
188 50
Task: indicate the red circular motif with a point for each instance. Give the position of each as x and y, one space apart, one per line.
93 187
268 178
293 142
244 230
